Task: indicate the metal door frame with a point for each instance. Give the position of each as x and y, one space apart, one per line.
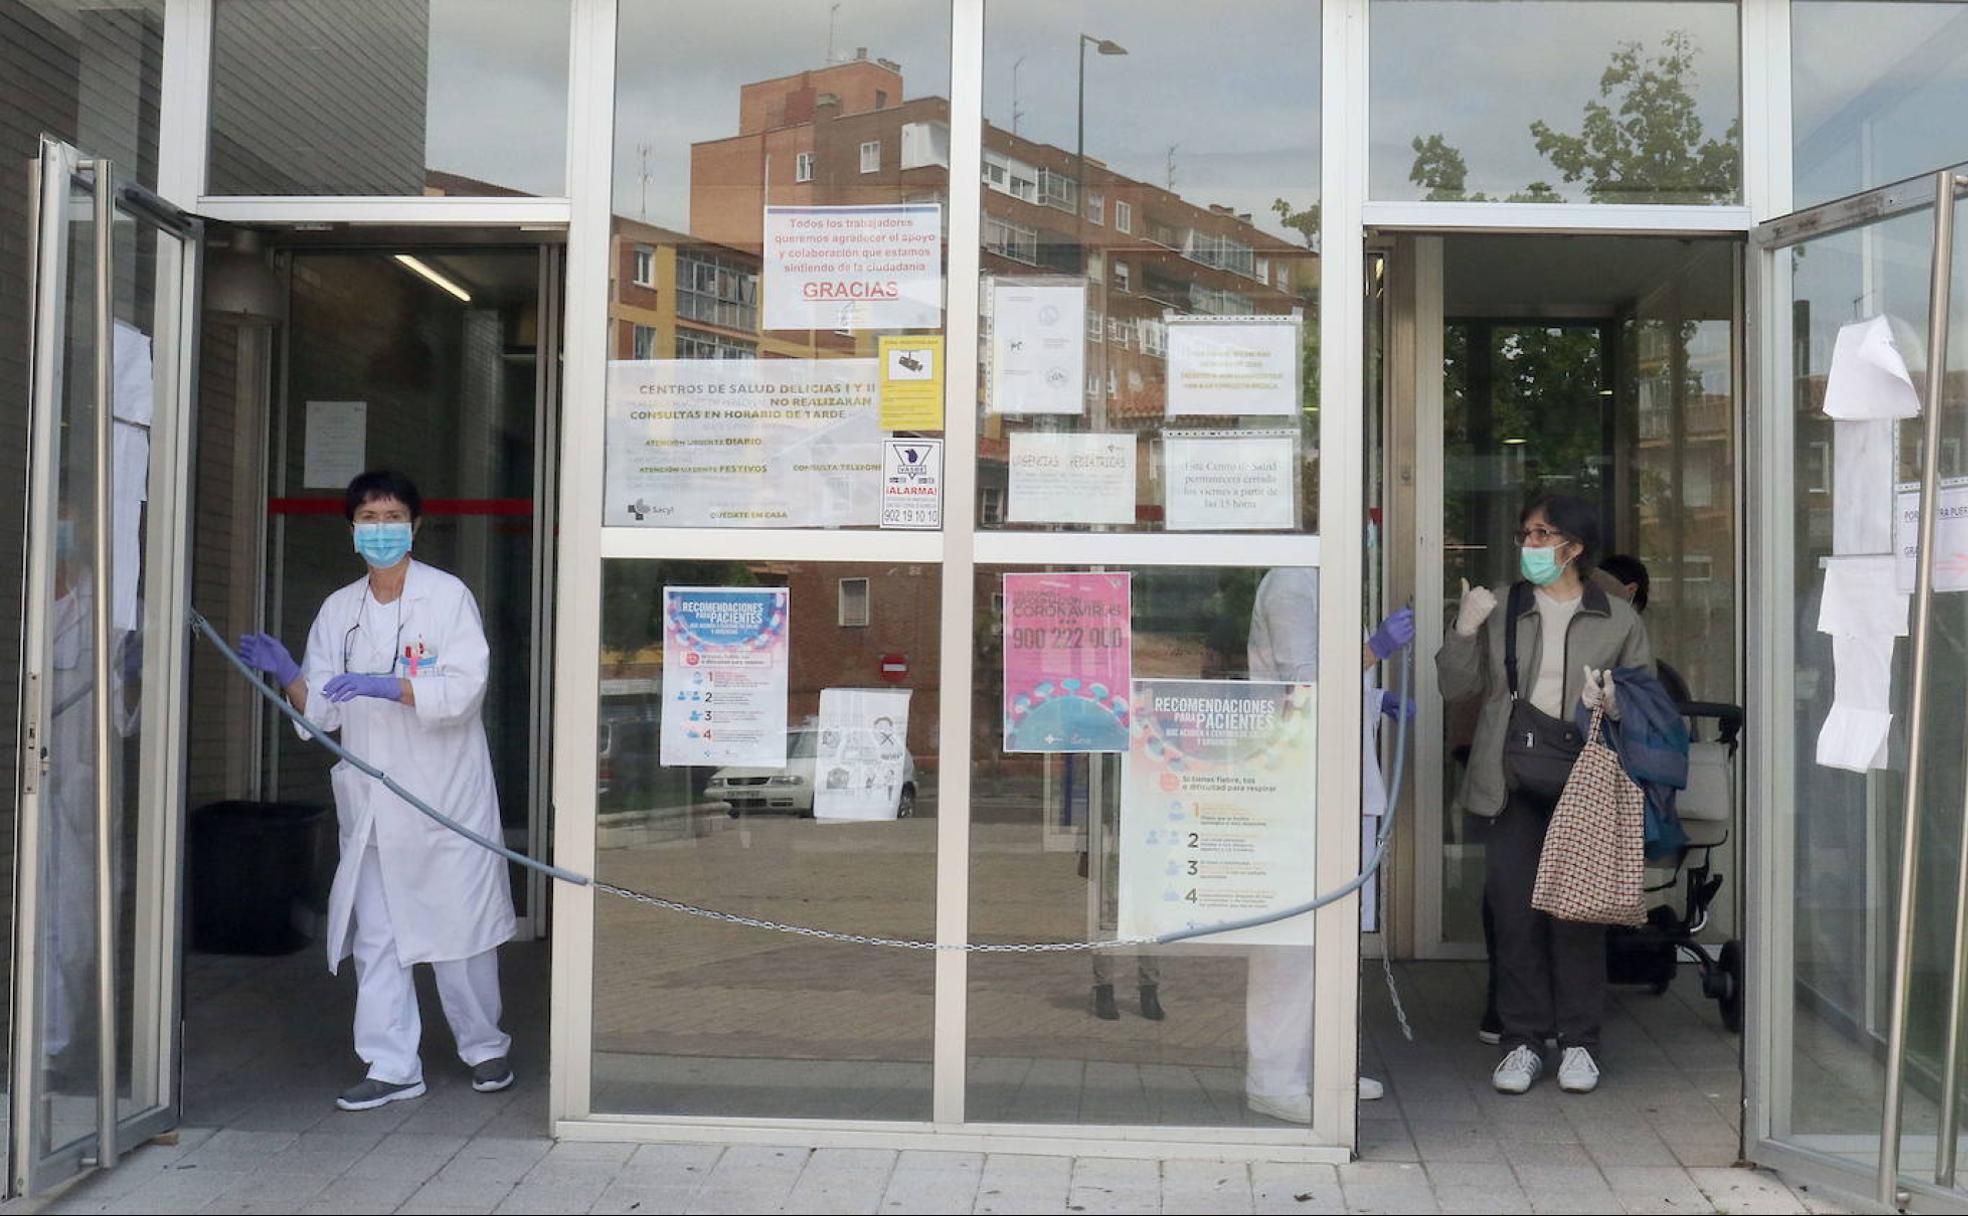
156 963
1769 830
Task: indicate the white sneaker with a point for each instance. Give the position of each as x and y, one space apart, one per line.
1578 1072
1294 1109
1371 1090
1516 1072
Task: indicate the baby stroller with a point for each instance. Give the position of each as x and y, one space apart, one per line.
1648 954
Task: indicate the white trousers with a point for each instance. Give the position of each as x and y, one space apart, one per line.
1278 1021
387 1026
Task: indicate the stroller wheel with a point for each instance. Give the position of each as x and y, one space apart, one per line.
1730 968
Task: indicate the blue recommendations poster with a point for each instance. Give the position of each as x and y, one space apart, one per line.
1217 818
725 659
1067 657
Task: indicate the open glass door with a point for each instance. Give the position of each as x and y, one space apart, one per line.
1858 780
95 965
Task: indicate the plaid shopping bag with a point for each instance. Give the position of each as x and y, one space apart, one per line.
1592 867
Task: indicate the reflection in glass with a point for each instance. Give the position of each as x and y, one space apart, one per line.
1617 101
1870 110
1624 396
1150 272
364 97
780 190
693 1017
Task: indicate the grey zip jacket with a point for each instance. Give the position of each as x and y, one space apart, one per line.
1604 633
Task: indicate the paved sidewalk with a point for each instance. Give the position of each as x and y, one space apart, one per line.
339 1168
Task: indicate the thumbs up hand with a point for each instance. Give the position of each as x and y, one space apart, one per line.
1477 605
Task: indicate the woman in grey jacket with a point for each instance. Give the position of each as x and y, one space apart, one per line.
1551 974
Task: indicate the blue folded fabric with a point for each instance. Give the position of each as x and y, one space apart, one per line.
1651 740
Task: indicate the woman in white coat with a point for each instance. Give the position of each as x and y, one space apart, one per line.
396 662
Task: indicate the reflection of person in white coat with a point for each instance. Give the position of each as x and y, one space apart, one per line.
397 662
1284 645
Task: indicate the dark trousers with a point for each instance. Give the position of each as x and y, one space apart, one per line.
1548 973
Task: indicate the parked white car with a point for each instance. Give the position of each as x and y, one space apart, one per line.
789 790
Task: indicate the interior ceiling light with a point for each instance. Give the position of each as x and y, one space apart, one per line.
1515 442
423 271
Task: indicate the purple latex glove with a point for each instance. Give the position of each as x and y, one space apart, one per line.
1394 632
1393 706
348 686
263 652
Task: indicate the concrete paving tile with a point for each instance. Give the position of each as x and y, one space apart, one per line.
925 1190
621 1200
1655 1188
1747 1191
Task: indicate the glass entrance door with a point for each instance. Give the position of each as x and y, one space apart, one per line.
1857 802
94 965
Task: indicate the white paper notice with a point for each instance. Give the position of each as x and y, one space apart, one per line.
1868 376
725 657
1950 538
1066 478
877 267
1230 481
337 443
912 483
743 443
1234 365
863 754
1038 347
1862 486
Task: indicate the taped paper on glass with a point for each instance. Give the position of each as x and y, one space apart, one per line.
743 443
725 659
1868 377
1229 481
862 759
335 448
1038 347
1068 658
1855 731
1065 477
1234 365
1861 598
853 267
134 405
1862 487
1216 824
1950 536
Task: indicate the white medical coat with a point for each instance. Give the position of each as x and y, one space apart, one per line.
448 898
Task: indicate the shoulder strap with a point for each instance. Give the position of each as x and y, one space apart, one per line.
1513 608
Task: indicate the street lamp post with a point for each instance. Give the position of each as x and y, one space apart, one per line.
1105 46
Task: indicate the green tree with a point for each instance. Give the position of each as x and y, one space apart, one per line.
1643 137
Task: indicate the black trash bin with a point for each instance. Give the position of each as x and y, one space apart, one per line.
257 874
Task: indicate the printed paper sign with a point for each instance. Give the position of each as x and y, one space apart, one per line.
1950 535
743 443
862 759
1065 478
911 385
725 656
1230 481
1217 821
912 483
1234 365
1067 659
336 444
1038 347
877 267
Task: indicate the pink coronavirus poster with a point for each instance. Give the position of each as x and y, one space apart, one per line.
1066 662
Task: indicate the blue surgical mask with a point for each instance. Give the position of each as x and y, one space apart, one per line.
1540 566
64 539
382 545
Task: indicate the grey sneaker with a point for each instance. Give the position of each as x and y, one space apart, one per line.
372 1093
1516 1072
491 1076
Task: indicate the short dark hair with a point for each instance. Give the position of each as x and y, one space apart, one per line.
382 483
1573 517
1629 569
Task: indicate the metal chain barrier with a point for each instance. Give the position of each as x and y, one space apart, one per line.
279 701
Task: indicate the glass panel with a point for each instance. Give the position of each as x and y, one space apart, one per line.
1081 1038
776 286
1849 817
375 97
1149 359
1624 395
95 73
70 1032
811 801
1870 110
1615 101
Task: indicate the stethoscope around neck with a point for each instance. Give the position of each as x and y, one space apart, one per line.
348 639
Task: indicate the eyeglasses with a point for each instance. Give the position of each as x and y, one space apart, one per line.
1542 535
